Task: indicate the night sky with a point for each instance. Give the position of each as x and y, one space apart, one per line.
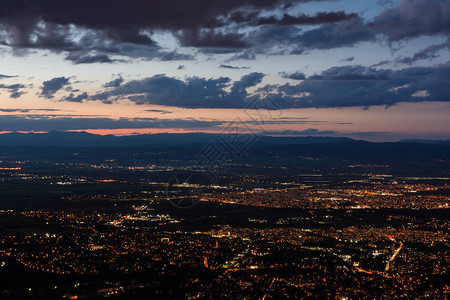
366 69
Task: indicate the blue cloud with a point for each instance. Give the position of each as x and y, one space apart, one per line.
193 93
51 86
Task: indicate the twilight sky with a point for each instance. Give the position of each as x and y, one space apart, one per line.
366 69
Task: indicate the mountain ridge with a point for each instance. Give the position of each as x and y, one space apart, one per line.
85 139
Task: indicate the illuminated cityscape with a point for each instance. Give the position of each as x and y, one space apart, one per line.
259 235
224 149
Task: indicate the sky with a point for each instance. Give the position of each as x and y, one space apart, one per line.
366 69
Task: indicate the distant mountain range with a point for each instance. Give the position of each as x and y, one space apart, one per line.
434 142
84 139
409 156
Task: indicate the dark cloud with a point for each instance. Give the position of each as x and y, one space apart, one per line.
49 123
92 44
428 53
253 18
89 59
365 86
79 98
232 67
320 18
51 86
283 122
348 59
2 76
410 19
293 76
268 36
214 51
290 39
342 86
385 2
52 24
413 18
16 94
309 131
194 92
161 111
97 47
122 19
353 73
26 110
91 31
245 55
330 36
212 39
114 83
382 63
252 79
170 56
11 86
13 89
